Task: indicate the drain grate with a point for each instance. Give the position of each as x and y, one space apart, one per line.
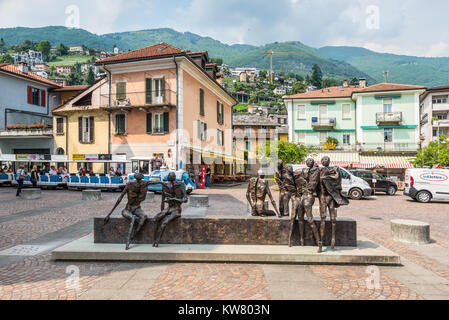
24 250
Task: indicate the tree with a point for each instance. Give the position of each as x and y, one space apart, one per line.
329 82
218 61
44 46
62 50
354 82
26 45
317 76
285 151
434 153
2 46
6 58
298 87
90 79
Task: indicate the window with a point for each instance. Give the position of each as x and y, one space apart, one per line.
301 112
159 91
202 130
120 90
36 96
202 102
434 133
59 125
263 130
220 113
346 111
86 129
301 137
220 137
439 99
323 137
247 131
158 124
120 124
388 135
344 174
347 138
387 105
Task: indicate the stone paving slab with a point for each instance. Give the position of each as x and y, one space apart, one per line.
366 253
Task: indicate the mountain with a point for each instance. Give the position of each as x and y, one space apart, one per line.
403 69
338 62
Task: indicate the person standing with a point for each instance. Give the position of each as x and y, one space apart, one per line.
20 176
208 177
34 177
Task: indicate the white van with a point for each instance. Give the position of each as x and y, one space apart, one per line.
424 185
353 187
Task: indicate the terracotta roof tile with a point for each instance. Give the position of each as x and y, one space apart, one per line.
331 92
160 49
12 68
390 87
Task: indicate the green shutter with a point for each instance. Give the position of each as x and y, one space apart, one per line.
202 102
199 129
205 131
222 114
166 122
149 91
120 124
121 90
218 112
149 123
222 138
163 89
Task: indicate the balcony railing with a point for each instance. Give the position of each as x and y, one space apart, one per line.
139 99
389 117
323 123
388 146
441 123
48 132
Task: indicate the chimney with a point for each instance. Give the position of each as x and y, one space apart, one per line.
362 83
345 83
23 67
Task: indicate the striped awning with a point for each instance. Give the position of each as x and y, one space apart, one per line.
399 166
365 165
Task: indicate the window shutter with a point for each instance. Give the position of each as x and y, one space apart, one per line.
149 123
166 122
202 102
30 95
205 131
121 90
80 129
222 138
222 113
91 129
43 96
163 89
149 91
199 129
218 112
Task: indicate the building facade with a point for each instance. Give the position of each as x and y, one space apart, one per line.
26 100
434 113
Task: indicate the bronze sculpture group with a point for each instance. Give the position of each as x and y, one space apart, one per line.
297 187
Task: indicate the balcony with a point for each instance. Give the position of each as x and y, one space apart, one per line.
441 123
323 123
159 98
388 118
27 133
388 147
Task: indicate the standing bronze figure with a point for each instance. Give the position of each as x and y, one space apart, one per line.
306 185
329 194
284 193
136 192
174 194
256 193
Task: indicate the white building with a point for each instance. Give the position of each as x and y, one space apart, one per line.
31 58
280 91
434 113
86 66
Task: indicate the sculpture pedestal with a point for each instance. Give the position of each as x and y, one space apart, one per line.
225 230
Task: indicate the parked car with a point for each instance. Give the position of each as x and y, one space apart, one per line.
382 184
424 185
352 186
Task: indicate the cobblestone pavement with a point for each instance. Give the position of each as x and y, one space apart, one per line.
60 216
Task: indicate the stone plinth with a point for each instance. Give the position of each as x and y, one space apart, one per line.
31 194
91 195
150 197
410 231
225 230
199 201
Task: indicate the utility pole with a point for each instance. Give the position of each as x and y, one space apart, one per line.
386 76
271 52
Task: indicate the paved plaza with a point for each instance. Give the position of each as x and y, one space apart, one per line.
30 229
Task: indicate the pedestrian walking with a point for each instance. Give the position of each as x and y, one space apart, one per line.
208 173
20 176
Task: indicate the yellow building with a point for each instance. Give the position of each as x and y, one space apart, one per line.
82 127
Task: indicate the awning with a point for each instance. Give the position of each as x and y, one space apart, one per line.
399 166
365 165
333 164
388 162
225 157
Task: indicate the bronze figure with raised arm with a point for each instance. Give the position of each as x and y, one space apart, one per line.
136 192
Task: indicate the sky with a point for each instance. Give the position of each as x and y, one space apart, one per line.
411 27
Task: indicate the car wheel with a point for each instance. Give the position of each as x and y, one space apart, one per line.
356 194
391 191
423 197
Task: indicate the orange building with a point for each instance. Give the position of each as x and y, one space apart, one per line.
167 104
